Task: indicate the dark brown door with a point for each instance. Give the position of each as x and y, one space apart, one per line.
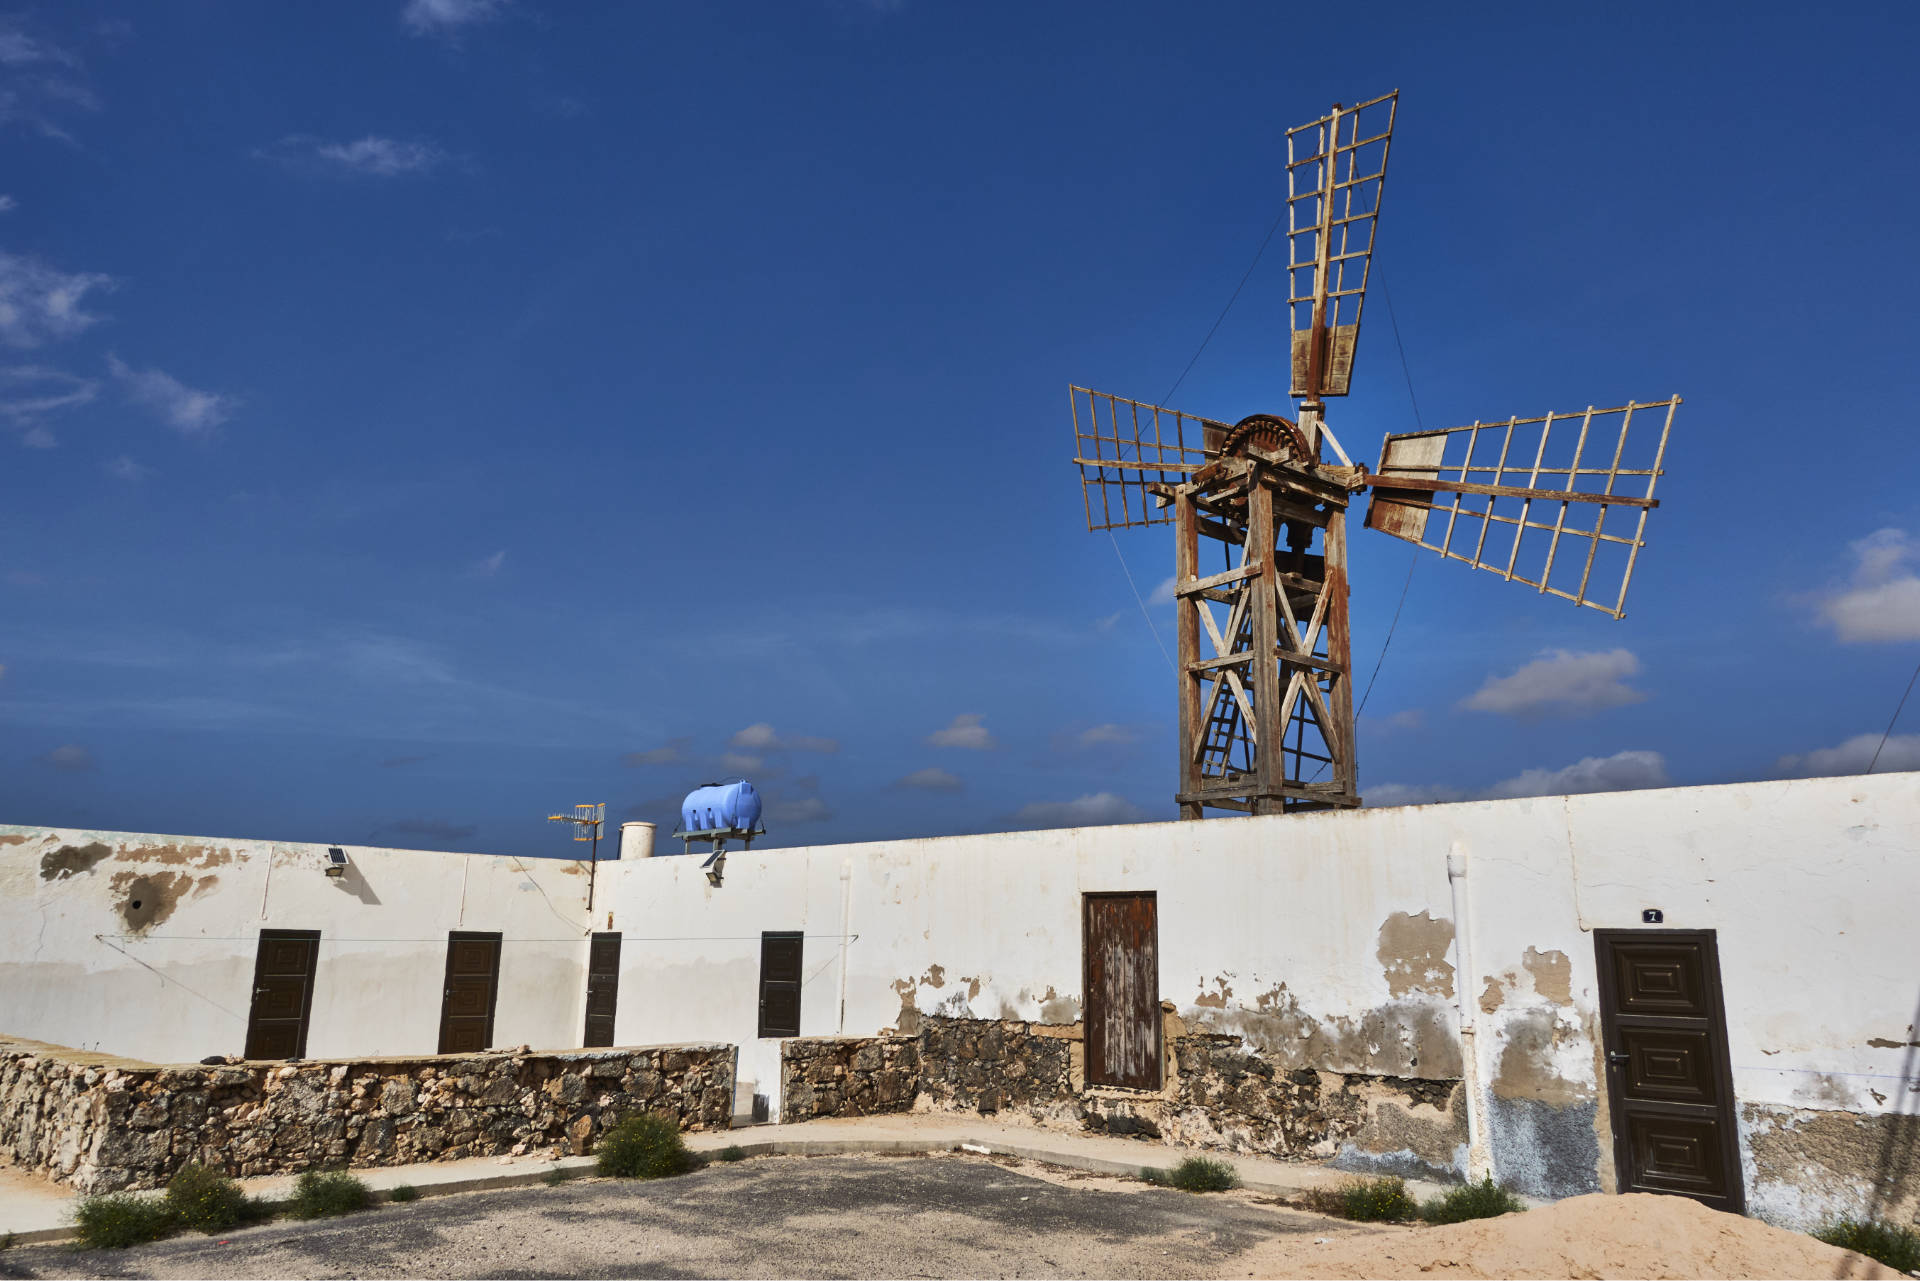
466 1008
282 994
780 984
603 988
1668 1081
1121 963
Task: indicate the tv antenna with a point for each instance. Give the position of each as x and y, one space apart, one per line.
1267 709
587 821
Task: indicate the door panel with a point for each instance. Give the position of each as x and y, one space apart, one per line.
473 976
1121 963
780 962
603 988
283 972
1669 1084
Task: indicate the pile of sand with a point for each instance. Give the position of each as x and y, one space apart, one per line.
1637 1235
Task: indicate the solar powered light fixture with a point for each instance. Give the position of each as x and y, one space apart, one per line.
336 862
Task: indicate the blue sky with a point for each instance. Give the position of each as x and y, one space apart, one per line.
421 415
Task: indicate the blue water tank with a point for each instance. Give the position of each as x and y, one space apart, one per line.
721 807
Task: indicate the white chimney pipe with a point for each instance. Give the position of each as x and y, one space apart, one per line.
636 841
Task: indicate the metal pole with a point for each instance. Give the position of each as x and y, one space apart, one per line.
593 863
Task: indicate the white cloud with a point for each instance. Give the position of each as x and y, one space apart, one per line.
804 809
1562 681
72 757
762 738
1622 772
8 204
446 18
39 80
1102 809
1163 594
187 411
1106 736
1902 752
932 780
39 302
968 730
488 566
672 753
372 156
124 468
741 762
38 437
1406 718
1883 601
28 391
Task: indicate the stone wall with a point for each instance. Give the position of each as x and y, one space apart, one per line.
1219 1093
847 1076
102 1124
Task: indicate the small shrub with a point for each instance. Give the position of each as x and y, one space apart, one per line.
319 1194
558 1175
208 1201
644 1146
1156 1177
1483 1200
404 1192
1898 1248
1382 1200
120 1219
1203 1174
733 1152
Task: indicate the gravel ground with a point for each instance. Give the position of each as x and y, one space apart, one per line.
770 1217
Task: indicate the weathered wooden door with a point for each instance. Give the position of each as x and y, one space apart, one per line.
1121 963
603 988
1668 1081
282 994
780 983
473 977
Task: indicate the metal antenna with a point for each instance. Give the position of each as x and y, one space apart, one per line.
587 821
1270 709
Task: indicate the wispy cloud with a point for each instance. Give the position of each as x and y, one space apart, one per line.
740 762
1101 809
1882 600
799 803
373 156
39 302
488 566
932 780
1107 736
762 738
188 411
72 758
40 81
673 752
1621 772
1562 681
1163 594
968 730
30 393
448 19
124 468
1902 752
8 204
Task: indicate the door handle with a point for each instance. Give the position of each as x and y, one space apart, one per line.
1617 1056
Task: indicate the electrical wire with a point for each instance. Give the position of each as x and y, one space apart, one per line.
1141 601
1898 707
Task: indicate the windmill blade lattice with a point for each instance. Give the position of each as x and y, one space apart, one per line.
1531 499
1131 454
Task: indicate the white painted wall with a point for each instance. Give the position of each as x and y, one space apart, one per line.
73 972
1267 926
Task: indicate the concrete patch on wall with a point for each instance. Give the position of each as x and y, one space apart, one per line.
1415 1129
1552 975
1413 954
1541 1117
145 900
71 860
1805 1168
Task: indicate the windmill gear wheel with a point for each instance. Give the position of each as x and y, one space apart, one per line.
1272 434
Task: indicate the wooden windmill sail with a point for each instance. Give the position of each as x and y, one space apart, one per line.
1557 502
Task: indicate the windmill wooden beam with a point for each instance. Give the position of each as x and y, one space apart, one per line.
1266 709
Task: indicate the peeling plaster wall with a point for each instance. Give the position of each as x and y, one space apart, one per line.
171 980
1325 941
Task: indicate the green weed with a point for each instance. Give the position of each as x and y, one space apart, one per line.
120 1219
556 1176
1482 1200
733 1152
644 1146
1203 1174
404 1192
208 1201
1897 1247
1382 1200
320 1194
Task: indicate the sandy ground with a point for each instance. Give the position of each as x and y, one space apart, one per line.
949 1216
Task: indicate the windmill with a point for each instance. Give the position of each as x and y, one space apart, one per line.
1266 708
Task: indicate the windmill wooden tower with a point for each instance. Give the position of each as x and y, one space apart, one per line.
1266 707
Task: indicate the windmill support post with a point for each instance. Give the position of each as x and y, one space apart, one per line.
1272 734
